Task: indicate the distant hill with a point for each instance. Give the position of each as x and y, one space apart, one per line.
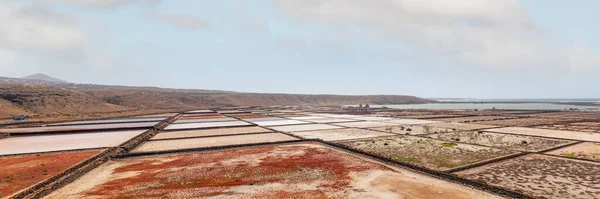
46 97
45 101
44 77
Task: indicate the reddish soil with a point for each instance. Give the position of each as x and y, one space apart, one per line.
291 171
188 173
20 172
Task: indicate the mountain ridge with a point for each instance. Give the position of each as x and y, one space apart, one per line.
44 77
47 98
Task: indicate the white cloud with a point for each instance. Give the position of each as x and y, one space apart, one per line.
490 33
110 4
36 28
34 37
180 20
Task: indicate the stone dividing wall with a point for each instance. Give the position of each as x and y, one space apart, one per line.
44 188
500 159
137 140
436 174
60 180
47 186
204 149
4 135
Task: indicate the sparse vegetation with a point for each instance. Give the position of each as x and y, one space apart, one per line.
449 145
429 153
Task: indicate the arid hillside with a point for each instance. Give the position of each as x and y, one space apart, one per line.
170 99
44 101
51 101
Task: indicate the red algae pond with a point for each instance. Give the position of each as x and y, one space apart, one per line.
306 170
22 171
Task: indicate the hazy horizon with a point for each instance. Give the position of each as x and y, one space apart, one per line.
460 49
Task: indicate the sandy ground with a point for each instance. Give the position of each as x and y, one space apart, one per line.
569 114
305 127
231 112
199 111
594 137
206 125
79 127
411 129
505 141
280 122
223 119
340 134
542 176
162 145
33 144
159 115
475 119
209 132
586 150
428 153
582 127
290 171
428 116
366 124
526 121
461 126
411 121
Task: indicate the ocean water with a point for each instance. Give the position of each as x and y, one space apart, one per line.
515 106
548 100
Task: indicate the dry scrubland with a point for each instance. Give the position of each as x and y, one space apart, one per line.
586 151
593 127
428 153
412 129
542 176
97 101
505 141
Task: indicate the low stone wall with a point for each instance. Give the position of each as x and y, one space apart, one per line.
137 140
437 174
56 182
60 180
203 149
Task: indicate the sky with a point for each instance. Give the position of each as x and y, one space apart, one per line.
458 48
